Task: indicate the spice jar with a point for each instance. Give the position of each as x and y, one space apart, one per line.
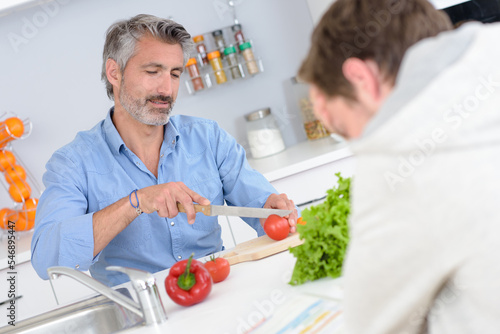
201 48
232 61
246 50
264 136
219 41
238 35
313 127
194 73
216 62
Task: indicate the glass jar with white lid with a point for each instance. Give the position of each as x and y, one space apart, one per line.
264 136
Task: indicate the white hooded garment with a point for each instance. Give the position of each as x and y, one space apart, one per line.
424 255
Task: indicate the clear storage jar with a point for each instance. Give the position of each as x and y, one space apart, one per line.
313 127
264 136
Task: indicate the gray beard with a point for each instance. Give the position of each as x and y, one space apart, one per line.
140 110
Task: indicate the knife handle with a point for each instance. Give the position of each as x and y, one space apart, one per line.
205 209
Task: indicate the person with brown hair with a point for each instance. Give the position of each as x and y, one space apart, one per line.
420 103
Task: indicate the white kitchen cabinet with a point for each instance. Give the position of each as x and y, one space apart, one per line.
241 231
8 6
36 293
313 183
227 233
318 7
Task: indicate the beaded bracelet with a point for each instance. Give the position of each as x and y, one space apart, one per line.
136 207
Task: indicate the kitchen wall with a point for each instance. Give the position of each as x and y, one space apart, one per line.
50 61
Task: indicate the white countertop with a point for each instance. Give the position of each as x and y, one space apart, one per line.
255 292
252 290
301 157
23 247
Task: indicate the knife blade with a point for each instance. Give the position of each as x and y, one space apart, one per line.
239 211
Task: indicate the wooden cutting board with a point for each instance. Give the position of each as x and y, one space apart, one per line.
261 247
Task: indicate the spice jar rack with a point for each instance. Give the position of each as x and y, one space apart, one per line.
222 56
16 178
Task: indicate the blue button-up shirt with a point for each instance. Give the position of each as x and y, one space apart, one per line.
96 169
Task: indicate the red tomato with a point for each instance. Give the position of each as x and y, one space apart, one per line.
276 227
218 268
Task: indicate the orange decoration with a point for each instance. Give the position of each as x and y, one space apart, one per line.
15 126
29 208
7 160
11 128
15 174
7 215
20 191
22 224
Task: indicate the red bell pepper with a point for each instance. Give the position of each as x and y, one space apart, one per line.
188 282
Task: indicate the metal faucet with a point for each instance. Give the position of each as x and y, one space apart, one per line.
150 308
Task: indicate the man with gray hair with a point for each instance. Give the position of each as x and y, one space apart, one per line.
111 195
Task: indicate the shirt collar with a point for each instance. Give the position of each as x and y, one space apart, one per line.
170 135
113 138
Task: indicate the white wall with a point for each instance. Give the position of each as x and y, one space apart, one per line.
53 77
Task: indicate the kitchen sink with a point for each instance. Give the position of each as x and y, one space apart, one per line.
97 315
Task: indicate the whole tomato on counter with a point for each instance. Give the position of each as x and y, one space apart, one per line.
218 268
276 227
188 282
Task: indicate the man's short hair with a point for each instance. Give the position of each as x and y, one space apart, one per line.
380 30
122 36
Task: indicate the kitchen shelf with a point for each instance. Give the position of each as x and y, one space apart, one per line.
209 79
207 74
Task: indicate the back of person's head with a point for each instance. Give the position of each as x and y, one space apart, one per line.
122 36
379 30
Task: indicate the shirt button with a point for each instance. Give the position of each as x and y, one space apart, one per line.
161 156
179 257
173 142
137 163
172 223
77 266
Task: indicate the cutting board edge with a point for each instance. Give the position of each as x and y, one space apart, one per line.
278 248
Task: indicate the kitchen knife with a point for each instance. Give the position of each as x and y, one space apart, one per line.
225 210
